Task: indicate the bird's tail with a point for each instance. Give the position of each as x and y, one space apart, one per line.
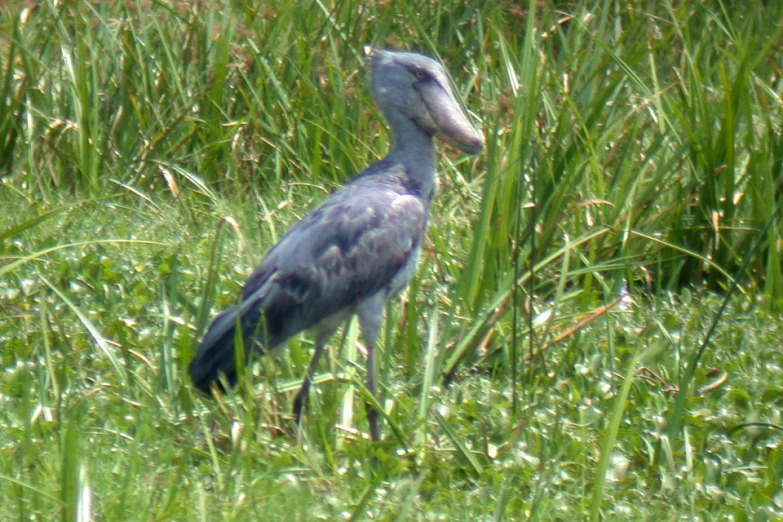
216 352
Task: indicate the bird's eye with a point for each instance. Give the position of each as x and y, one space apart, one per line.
419 74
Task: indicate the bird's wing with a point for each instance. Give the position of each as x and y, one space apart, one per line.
350 248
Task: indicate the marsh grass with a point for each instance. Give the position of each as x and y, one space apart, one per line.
593 331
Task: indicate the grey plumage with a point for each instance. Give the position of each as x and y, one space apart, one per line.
360 246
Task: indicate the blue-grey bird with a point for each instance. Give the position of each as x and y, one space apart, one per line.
359 248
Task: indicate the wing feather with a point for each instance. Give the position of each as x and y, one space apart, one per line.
349 249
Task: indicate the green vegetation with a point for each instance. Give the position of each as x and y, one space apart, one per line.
151 151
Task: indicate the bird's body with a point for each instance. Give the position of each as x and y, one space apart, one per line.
361 242
359 248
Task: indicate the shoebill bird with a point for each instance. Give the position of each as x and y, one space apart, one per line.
357 249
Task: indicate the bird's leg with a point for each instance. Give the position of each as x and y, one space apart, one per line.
301 397
372 413
370 316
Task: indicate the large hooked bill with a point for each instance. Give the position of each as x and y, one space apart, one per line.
452 123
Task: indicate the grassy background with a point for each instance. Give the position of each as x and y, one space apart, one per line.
601 289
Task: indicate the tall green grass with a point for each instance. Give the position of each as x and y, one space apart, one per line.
151 151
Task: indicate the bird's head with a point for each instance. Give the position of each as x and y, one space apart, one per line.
418 88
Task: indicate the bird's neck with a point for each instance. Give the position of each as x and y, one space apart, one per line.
415 150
